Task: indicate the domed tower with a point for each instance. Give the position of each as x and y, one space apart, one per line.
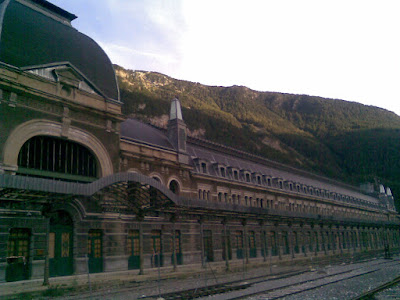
57 87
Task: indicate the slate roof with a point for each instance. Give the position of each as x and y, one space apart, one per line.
133 129
212 156
31 38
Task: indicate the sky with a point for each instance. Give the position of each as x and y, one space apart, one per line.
342 49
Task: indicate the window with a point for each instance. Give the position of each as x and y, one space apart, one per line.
259 179
220 197
204 167
132 245
247 177
18 242
50 157
280 184
269 181
236 175
174 187
222 172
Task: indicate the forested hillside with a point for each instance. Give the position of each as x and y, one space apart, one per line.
340 139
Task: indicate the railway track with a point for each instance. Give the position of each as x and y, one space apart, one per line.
258 287
249 289
382 288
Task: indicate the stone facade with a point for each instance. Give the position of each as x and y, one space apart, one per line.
89 189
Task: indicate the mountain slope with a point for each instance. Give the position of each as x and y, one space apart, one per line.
345 140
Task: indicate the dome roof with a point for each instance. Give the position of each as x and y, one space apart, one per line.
40 34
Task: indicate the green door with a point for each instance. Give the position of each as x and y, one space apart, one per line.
208 246
60 245
60 251
95 251
178 249
18 266
239 244
229 244
157 258
133 249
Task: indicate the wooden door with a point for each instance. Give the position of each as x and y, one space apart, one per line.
95 251
133 249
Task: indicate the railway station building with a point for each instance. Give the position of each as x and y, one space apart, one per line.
84 188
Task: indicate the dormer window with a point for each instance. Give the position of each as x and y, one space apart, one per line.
311 191
259 179
236 175
204 168
290 186
281 185
247 177
298 188
222 171
305 190
269 182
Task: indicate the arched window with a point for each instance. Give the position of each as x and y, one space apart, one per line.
174 187
45 156
156 178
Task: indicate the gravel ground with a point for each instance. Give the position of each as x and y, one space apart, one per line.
352 288
346 289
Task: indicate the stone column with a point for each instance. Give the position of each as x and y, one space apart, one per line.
263 240
245 241
290 240
47 259
225 222
203 263
173 220
141 260
340 242
278 241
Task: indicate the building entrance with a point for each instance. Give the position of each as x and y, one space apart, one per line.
60 244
